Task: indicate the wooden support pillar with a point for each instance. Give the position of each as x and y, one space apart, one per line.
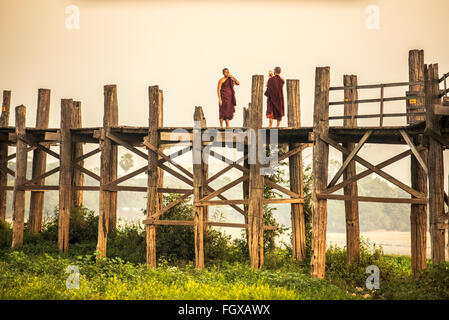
351 206
18 204
320 173
155 106
113 121
198 187
435 165
296 173
39 163
245 184
65 174
418 212
107 207
77 151
256 180
4 122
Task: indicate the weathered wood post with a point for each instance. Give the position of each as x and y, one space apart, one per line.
198 187
4 122
113 121
18 204
155 106
106 207
77 151
351 206
256 180
435 165
245 184
39 163
65 174
418 212
296 173
320 173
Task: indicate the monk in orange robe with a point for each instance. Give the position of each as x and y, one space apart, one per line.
226 97
275 97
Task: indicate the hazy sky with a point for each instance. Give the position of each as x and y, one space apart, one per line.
182 47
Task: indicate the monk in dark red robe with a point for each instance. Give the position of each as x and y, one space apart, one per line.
226 97
275 97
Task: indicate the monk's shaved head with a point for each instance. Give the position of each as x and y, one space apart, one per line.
225 69
277 70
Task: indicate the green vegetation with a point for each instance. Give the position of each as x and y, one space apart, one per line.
38 271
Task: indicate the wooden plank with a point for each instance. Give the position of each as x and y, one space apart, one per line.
166 158
365 173
36 212
382 99
37 179
372 199
437 137
414 150
350 157
126 144
4 122
128 176
210 223
320 171
225 188
368 165
281 188
295 163
351 189
87 155
220 202
435 165
106 162
198 187
256 181
65 174
77 153
441 110
286 200
176 174
154 209
18 204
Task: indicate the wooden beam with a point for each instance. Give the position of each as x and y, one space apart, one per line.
350 157
225 188
198 187
4 122
87 155
128 176
36 180
36 213
367 172
414 150
295 163
77 153
286 200
373 168
166 158
320 171
154 209
435 165
220 202
65 174
372 199
256 181
18 204
352 207
106 162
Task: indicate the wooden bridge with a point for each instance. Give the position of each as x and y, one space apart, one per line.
426 134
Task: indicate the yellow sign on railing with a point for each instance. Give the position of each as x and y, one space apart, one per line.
412 101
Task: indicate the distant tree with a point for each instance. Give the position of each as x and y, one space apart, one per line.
126 162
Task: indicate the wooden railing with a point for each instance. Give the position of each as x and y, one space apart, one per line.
410 97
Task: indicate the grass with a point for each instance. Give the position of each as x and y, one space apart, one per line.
44 277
